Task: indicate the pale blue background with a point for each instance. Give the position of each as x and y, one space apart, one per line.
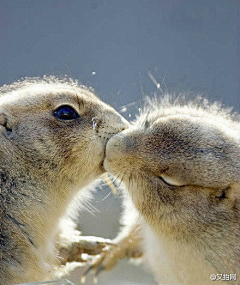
193 44
187 45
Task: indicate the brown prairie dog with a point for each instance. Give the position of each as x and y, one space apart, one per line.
52 142
180 164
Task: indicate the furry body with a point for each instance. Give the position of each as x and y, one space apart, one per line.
180 164
44 162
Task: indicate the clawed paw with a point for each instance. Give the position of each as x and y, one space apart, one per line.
78 248
108 259
101 254
105 261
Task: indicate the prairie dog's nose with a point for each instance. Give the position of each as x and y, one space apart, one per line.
119 146
112 123
118 122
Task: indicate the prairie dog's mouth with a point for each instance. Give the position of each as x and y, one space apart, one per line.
105 143
108 150
106 140
114 145
108 145
102 166
105 165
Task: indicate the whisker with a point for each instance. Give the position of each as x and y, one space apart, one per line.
103 199
89 209
93 207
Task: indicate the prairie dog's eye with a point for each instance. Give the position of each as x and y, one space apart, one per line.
65 113
171 180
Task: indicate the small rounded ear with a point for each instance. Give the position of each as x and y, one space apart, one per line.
234 191
4 121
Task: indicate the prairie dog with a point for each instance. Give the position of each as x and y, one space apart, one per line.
52 143
180 164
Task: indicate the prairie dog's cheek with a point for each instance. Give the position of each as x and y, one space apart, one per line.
96 149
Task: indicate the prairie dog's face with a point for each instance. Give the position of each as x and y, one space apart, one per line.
59 130
180 167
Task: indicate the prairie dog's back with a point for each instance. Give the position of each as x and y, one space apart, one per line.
180 163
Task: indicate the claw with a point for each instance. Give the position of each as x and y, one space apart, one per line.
84 276
83 279
88 270
95 278
99 269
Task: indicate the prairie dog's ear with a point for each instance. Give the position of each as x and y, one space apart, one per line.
4 121
234 191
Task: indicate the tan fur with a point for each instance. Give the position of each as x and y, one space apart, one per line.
180 163
44 162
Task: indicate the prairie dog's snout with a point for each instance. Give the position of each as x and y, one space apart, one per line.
119 146
114 124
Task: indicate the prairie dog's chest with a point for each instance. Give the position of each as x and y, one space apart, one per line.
174 263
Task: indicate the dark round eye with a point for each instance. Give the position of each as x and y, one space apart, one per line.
65 112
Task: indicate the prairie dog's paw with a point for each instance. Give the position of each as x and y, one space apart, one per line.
74 247
111 254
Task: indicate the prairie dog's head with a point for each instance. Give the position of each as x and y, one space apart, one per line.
56 128
180 164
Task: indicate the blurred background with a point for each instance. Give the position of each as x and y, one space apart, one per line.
125 50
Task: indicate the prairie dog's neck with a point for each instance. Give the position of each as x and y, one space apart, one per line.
52 207
33 208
